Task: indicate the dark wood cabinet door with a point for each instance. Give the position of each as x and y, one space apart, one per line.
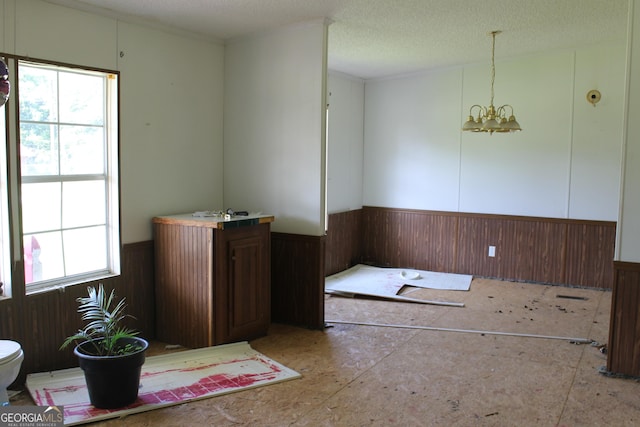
245 304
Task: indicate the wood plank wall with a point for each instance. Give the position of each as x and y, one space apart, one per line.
530 249
623 355
40 322
344 237
545 250
413 239
185 274
297 279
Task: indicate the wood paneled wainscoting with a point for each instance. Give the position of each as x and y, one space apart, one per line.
297 279
531 249
344 241
624 327
41 321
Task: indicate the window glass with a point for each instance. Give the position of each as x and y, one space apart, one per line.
81 99
85 250
38 149
81 150
41 206
43 258
38 89
83 203
68 168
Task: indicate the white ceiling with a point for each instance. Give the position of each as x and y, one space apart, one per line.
380 38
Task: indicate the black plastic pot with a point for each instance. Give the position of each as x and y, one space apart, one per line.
112 381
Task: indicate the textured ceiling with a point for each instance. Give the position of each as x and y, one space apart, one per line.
380 38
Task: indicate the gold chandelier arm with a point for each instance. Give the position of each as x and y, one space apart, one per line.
482 110
504 107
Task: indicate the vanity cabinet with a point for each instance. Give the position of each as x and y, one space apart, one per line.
212 279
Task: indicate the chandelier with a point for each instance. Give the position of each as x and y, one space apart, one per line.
491 119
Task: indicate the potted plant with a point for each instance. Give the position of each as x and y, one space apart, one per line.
110 354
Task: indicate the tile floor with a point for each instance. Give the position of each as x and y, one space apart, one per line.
360 375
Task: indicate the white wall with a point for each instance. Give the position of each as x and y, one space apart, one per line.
411 149
274 126
171 103
171 127
7 25
596 150
47 31
346 142
564 164
628 244
526 173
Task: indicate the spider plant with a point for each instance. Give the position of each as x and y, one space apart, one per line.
103 328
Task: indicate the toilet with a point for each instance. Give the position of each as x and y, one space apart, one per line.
11 357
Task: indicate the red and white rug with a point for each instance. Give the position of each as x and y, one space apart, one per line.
166 380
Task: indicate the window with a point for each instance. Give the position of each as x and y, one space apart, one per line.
68 173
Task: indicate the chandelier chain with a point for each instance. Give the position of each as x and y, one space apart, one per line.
493 64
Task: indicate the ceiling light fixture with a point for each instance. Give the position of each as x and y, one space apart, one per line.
491 119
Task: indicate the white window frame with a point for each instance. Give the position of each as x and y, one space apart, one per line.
5 240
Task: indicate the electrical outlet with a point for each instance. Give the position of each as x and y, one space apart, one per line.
492 251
